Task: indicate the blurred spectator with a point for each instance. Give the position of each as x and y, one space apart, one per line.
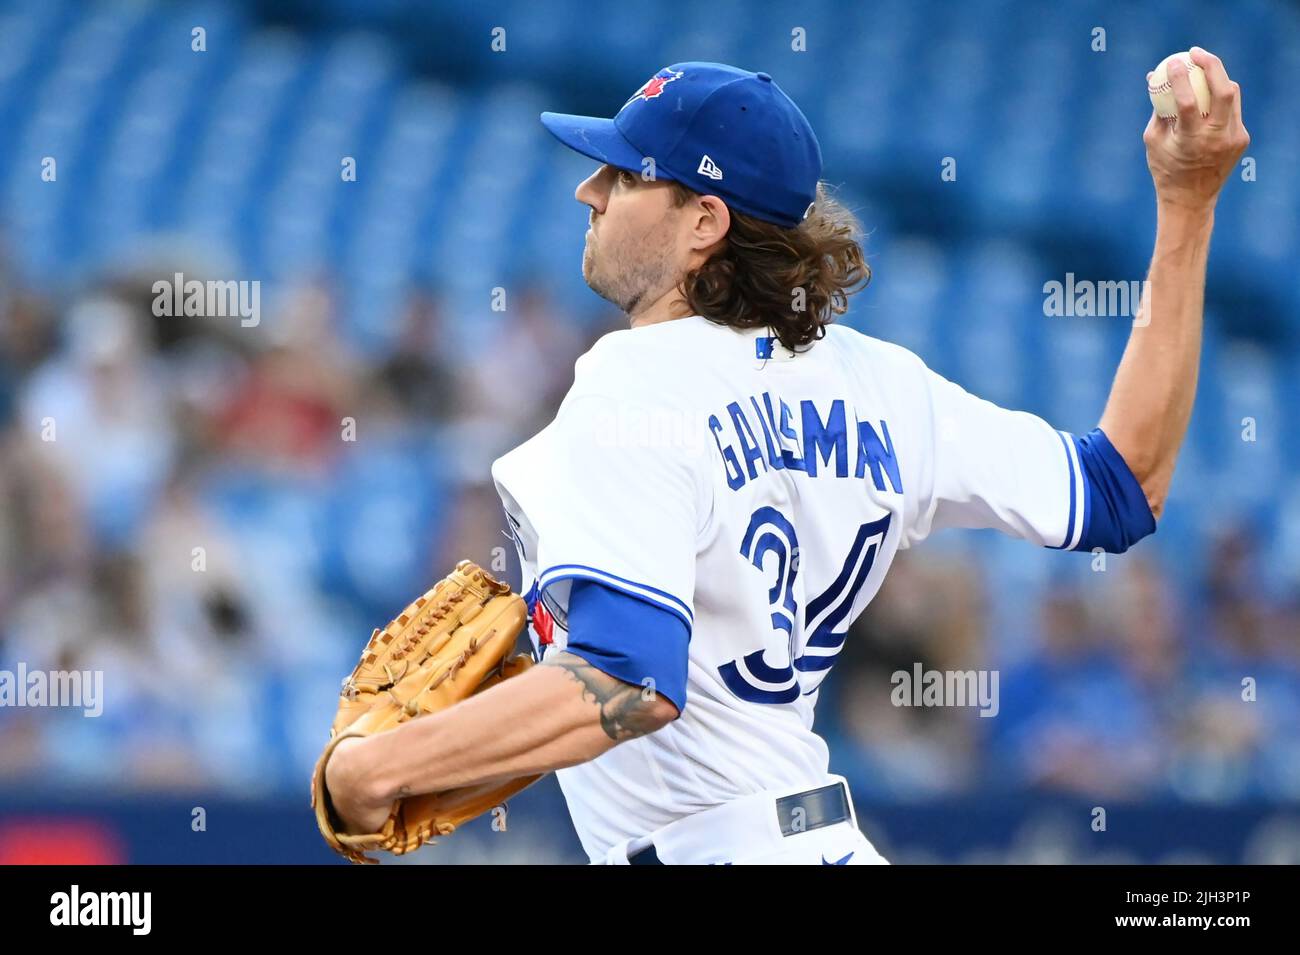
1241 733
1084 714
928 612
100 416
425 382
519 380
288 412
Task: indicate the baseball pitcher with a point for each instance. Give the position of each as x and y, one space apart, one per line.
729 479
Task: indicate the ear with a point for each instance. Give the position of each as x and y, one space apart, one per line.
712 222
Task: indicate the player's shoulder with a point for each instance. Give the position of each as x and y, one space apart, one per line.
644 365
652 342
875 353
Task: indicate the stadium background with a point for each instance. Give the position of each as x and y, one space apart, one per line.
1120 688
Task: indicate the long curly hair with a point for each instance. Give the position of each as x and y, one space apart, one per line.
795 280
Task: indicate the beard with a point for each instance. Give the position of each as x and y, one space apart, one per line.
635 270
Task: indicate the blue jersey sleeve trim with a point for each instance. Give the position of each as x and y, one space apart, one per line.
1073 524
1116 514
629 638
664 599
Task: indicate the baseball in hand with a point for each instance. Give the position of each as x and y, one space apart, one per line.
1162 91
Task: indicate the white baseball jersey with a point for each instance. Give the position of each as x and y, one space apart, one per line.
762 500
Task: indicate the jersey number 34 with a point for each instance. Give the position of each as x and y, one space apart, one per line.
813 638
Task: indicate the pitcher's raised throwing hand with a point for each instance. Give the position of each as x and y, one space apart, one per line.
1191 157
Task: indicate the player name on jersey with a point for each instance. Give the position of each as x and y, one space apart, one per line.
805 440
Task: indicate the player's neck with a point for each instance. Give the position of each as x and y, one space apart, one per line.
669 306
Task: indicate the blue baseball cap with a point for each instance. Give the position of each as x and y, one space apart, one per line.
715 129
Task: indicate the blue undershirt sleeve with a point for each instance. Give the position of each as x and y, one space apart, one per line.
1116 513
629 638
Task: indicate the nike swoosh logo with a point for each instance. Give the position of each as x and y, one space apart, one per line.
844 861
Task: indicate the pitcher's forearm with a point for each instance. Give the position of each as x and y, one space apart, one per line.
1151 398
558 714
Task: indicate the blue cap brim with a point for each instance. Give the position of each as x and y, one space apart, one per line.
596 138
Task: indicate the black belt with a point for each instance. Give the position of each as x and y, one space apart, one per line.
820 807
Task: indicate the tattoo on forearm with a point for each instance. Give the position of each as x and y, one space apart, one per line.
624 713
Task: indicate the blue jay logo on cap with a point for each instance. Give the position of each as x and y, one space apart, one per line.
652 87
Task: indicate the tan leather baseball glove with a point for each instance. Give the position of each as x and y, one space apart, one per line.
456 640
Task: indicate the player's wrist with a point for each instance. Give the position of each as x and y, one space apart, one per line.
354 792
1186 206
1185 223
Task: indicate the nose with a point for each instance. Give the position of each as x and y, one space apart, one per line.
591 191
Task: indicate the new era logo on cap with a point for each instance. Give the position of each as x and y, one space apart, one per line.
709 168
713 118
